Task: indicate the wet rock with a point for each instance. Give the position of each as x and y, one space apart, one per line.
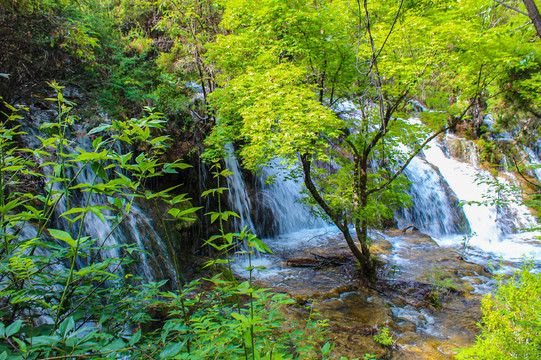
405 326
355 308
356 341
381 246
408 336
415 268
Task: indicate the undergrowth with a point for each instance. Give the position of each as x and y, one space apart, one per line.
66 294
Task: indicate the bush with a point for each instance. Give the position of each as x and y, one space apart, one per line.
67 295
511 325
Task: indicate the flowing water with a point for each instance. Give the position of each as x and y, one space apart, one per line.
436 209
136 228
276 207
454 201
492 208
468 212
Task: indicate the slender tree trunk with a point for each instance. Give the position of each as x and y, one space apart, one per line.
322 82
361 226
533 14
364 261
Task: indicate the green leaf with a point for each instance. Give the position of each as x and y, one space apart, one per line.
76 210
172 350
259 245
45 340
13 328
22 345
214 216
326 349
96 210
102 127
240 317
135 338
116 344
66 326
98 169
97 142
214 191
226 172
179 198
177 165
63 236
178 214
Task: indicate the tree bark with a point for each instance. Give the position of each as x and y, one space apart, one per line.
533 14
365 262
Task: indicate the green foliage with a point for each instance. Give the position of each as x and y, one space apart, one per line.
288 68
234 320
384 337
62 294
465 246
511 320
441 285
277 63
66 294
369 357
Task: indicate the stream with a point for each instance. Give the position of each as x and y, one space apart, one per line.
432 280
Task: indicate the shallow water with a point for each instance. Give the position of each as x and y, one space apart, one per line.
356 309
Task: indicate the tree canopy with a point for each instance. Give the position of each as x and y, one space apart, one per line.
328 84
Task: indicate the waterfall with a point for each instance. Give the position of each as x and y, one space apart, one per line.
435 208
238 197
275 207
534 160
494 214
280 201
136 228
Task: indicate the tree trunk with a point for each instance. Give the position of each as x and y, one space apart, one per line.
365 262
533 14
361 226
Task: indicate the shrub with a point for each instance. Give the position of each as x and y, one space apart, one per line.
511 325
67 295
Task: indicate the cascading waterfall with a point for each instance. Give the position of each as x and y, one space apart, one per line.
534 160
136 228
439 183
277 207
435 208
281 202
455 201
238 197
494 224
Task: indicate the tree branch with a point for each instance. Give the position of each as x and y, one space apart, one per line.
537 186
423 144
383 129
305 160
510 7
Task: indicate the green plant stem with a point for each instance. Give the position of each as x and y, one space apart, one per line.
251 305
73 259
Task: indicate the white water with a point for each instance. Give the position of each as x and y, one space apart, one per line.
238 197
283 198
534 160
278 204
136 228
495 226
435 209
451 198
